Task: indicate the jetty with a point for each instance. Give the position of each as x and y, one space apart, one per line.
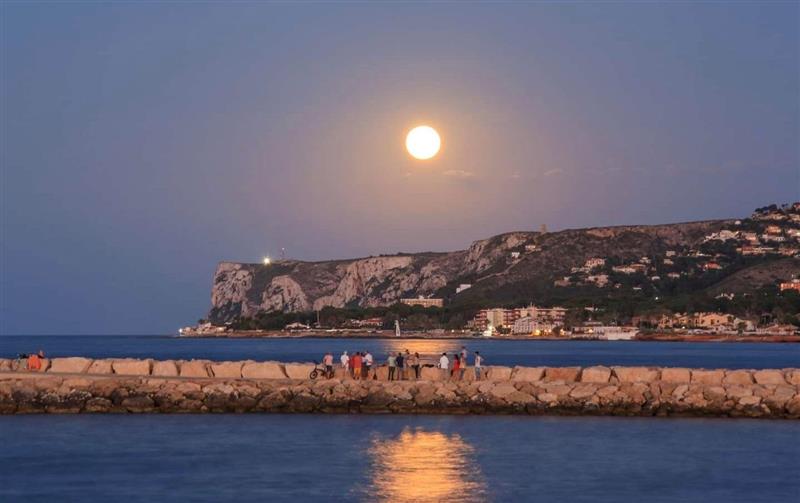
85 385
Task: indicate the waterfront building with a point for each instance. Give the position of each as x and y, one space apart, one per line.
710 320
614 333
297 326
497 317
543 319
423 301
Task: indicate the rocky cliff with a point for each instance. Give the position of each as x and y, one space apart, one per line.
502 266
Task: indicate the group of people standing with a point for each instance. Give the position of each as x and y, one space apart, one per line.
359 365
402 365
459 365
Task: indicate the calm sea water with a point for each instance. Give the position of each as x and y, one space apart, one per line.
396 458
497 352
400 458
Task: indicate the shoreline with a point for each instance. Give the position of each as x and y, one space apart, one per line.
82 385
387 334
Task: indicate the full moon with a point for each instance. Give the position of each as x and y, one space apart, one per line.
423 142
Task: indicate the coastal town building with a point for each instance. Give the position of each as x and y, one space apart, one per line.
756 250
565 281
723 235
539 318
599 280
462 287
777 329
423 301
297 326
790 285
629 269
528 325
376 322
497 317
594 263
706 320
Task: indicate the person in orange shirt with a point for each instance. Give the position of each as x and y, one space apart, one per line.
34 362
456 366
356 364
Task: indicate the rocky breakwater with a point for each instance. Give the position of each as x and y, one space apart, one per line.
74 385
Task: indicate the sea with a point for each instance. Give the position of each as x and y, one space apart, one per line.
274 457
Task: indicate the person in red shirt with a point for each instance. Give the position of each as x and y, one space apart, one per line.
34 362
356 364
456 365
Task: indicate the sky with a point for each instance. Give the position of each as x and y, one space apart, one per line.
142 143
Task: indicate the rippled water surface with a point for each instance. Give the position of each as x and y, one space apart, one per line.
497 352
396 458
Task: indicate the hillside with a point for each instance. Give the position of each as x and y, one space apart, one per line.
641 261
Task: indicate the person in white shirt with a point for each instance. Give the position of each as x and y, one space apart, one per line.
367 364
345 362
444 364
327 360
478 365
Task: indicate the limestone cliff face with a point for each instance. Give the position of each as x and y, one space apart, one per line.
231 283
505 263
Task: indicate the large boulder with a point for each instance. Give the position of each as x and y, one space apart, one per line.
72 365
793 406
5 365
432 374
738 377
769 377
676 375
502 390
793 376
710 377
100 367
165 368
636 374
496 373
528 374
263 370
228 370
298 370
597 375
131 367
194 368
567 374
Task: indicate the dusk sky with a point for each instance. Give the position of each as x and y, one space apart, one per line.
142 144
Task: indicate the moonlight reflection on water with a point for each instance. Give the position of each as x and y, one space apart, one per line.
420 465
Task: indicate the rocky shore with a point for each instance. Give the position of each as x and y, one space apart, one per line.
82 385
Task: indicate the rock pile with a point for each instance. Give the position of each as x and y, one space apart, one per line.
72 385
